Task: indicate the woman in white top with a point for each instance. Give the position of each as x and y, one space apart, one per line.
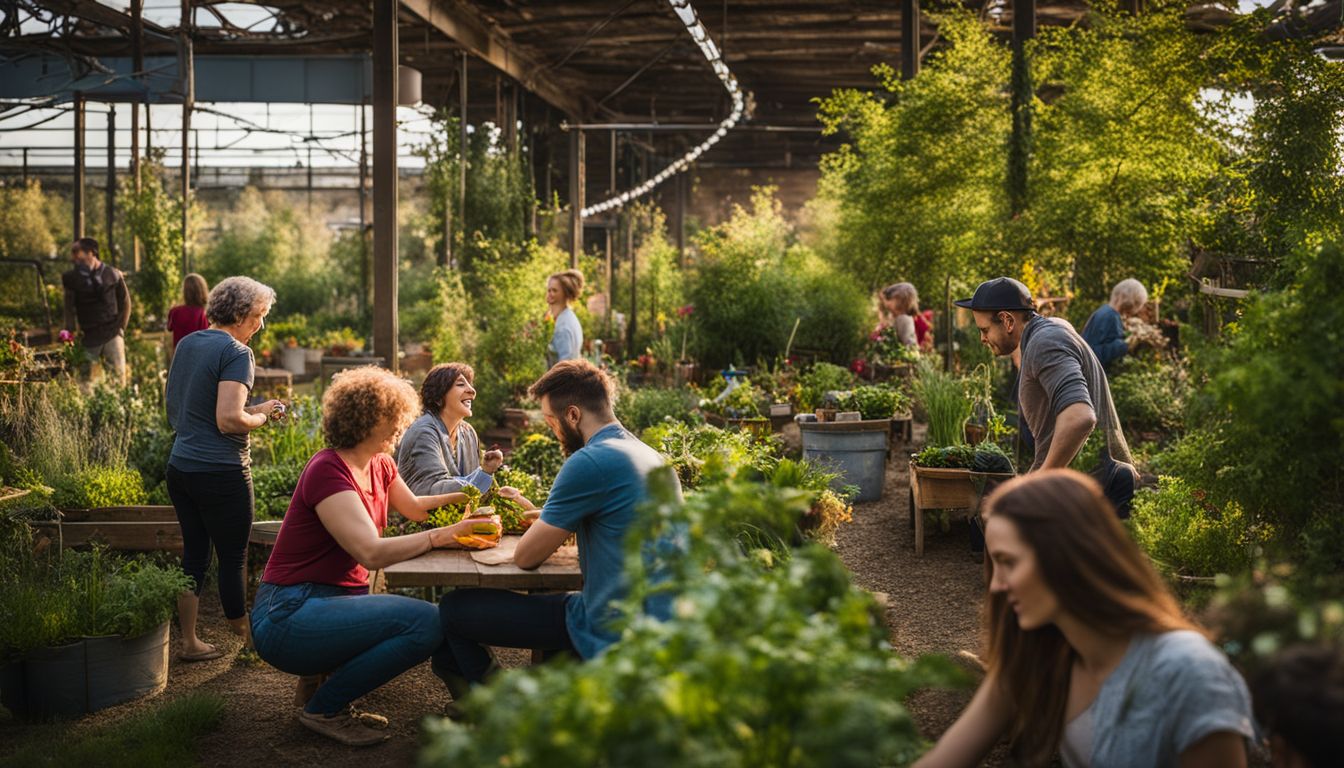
567 341
1089 656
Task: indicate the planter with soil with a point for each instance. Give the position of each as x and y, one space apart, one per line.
85 676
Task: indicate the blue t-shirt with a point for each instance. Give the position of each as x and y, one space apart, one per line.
595 496
201 361
1105 334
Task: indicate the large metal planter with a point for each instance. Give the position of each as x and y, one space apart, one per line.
856 449
86 675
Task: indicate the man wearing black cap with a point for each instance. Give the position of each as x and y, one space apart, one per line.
1062 389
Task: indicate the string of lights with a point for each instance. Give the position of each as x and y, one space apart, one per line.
700 35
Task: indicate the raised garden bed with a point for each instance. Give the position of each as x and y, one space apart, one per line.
946 488
85 676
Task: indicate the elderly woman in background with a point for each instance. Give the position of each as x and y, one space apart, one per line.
209 470
567 341
900 302
1105 329
313 613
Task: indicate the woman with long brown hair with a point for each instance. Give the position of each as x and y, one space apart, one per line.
1089 656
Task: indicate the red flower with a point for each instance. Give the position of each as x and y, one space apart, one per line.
859 366
686 310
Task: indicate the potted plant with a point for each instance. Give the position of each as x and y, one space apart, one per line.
83 630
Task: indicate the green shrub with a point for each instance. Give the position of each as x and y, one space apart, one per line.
820 379
272 486
1150 395
946 403
751 286
72 594
639 409
540 455
706 454
1184 532
875 402
774 658
99 487
23 228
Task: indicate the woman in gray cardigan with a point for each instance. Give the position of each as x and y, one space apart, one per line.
440 452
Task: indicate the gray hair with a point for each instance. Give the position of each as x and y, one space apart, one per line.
236 298
1129 295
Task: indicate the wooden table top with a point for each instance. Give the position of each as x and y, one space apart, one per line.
456 568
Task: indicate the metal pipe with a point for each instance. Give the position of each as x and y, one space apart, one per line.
111 192
385 57
566 126
77 191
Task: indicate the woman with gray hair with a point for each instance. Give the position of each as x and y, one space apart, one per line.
1105 329
209 469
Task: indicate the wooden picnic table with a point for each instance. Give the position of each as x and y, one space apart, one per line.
457 568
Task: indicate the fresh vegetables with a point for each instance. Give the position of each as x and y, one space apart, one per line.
985 457
510 512
484 535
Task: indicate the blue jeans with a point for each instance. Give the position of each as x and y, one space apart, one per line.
476 618
363 641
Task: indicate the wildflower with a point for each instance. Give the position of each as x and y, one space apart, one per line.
686 310
67 337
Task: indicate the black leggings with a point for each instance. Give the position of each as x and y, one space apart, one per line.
218 507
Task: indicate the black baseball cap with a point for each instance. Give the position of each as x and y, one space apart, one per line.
999 294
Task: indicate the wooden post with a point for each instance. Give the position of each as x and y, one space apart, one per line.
77 185
1019 144
110 194
910 38
577 159
462 157
385 57
682 192
187 69
611 263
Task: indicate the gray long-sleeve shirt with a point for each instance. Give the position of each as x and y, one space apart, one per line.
428 464
1058 370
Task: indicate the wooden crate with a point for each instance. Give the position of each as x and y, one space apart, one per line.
951 489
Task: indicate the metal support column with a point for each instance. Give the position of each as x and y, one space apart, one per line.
577 160
363 303
137 65
77 184
1019 144
187 68
462 155
683 189
110 193
607 231
910 38
385 57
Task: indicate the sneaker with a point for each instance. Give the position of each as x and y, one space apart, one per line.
371 719
343 728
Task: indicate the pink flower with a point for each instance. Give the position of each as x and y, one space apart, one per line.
686 310
66 336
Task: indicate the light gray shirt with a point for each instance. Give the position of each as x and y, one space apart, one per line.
1058 370
429 465
567 341
1170 691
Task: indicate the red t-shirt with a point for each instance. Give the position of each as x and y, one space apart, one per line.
304 550
922 327
185 319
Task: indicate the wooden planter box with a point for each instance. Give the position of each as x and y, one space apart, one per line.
943 488
145 528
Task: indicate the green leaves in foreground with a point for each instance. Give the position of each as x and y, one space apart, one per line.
773 658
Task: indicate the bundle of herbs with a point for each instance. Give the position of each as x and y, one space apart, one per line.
945 401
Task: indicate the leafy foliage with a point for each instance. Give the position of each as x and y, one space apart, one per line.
639 409
23 232
752 284
876 402
821 378
99 487
946 402
774 659
1185 532
540 455
156 218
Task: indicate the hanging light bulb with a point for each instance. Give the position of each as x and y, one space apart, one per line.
687 15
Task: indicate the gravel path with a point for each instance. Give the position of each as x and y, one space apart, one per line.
933 602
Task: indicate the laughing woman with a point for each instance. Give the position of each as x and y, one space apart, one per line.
313 615
440 452
1089 656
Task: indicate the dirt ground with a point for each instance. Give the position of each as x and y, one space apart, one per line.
932 608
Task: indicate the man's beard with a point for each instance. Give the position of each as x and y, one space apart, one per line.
571 439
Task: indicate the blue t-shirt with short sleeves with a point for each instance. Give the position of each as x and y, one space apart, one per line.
594 496
1170 691
201 361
